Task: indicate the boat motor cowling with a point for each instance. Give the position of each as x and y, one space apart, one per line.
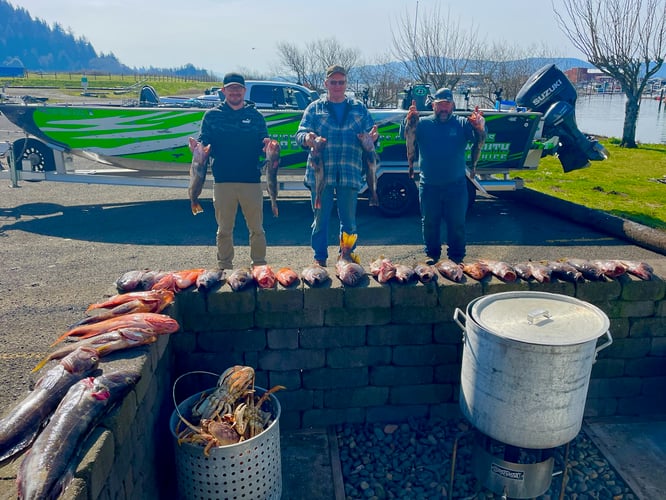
549 91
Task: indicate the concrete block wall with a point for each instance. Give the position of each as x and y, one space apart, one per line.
376 353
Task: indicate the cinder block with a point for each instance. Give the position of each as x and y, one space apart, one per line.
393 413
357 317
400 375
634 288
332 416
95 466
400 334
648 327
327 378
292 360
423 394
278 338
414 294
372 296
356 397
410 355
279 300
598 291
332 336
226 301
351 357
232 340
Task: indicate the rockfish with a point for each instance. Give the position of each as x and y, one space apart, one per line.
148 322
611 268
477 146
642 270
132 302
565 272
286 276
48 467
130 281
208 280
272 152
264 276
382 269
411 120
177 281
477 270
589 270
540 272
370 160
317 164
450 270
104 344
347 269
523 271
239 279
22 423
425 272
501 269
198 169
404 273
314 275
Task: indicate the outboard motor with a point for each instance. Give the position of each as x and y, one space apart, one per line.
550 92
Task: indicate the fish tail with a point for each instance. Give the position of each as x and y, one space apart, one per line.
41 364
61 338
347 242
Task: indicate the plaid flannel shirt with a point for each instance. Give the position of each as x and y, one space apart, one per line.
342 154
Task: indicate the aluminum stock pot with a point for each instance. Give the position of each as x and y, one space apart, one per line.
527 359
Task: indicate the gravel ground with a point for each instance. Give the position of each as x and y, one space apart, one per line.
413 461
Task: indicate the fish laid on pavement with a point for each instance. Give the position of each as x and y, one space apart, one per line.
477 270
523 271
350 272
198 169
425 272
501 269
264 276
149 322
370 161
411 121
209 279
564 271
315 275
272 152
177 281
382 269
48 467
540 272
316 160
588 268
239 279
404 273
611 268
22 423
104 344
450 270
642 270
286 276
132 302
131 280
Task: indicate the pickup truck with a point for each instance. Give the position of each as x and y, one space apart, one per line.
151 140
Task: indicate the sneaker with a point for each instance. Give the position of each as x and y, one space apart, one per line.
321 263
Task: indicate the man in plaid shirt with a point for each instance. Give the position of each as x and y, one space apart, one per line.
338 119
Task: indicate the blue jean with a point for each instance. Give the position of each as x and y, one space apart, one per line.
347 198
446 203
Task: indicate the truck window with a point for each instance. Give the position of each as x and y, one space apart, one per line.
267 95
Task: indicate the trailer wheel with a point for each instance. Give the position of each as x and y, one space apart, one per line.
397 194
39 154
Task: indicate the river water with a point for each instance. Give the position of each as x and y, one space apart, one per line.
603 114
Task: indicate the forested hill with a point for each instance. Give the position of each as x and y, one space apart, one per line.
34 45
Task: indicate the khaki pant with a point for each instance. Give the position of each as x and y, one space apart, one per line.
226 198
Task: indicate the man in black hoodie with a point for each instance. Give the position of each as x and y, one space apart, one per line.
235 131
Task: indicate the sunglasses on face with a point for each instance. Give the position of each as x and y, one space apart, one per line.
337 82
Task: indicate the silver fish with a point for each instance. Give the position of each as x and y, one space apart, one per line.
198 169
411 121
314 275
20 426
317 164
239 279
370 160
589 270
45 472
272 151
565 272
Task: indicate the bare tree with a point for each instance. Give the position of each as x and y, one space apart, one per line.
382 79
310 64
625 39
434 49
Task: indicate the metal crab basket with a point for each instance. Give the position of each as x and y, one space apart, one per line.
251 469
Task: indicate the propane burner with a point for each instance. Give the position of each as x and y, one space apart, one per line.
508 470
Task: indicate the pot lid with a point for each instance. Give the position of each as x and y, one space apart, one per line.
539 318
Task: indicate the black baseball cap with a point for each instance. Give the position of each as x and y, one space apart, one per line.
331 70
233 78
443 94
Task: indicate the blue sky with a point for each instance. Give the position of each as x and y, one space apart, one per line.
226 35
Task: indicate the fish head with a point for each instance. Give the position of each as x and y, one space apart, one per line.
83 359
